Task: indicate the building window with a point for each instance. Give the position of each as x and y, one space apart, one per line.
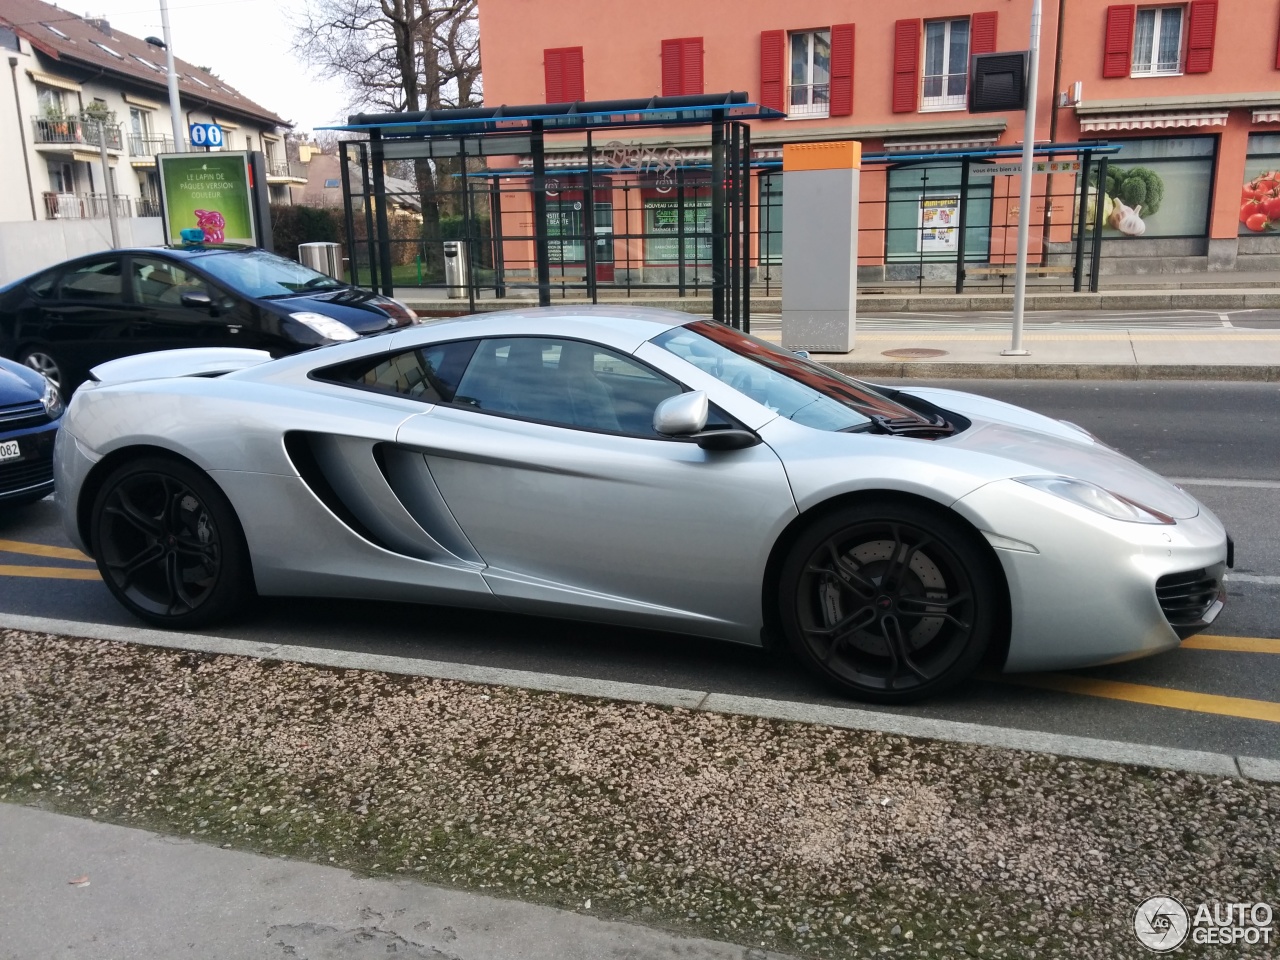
810 91
946 64
1157 41
49 100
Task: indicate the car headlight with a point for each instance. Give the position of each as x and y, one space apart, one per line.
1095 498
52 400
327 327
398 310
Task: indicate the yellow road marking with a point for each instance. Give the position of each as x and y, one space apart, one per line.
1232 644
1154 696
42 550
50 573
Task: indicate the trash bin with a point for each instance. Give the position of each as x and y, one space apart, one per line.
457 271
325 257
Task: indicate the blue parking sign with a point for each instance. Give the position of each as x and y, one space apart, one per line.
206 135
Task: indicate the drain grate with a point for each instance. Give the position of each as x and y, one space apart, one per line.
914 353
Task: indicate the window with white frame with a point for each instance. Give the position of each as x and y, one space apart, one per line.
946 64
1157 41
809 93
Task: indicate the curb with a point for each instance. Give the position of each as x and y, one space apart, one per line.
953 731
984 370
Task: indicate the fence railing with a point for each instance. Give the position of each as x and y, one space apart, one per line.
84 206
148 145
75 130
946 91
808 100
287 168
146 207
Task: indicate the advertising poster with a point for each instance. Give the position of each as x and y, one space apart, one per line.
939 217
1155 188
210 191
1260 196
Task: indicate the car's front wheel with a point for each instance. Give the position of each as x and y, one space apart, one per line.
168 544
889 601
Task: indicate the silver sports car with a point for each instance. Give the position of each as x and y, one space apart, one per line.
635 467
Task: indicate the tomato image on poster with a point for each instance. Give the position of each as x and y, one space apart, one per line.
1260 203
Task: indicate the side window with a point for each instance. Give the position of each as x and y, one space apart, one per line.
162 283
430 373
564 382
42 287
98 280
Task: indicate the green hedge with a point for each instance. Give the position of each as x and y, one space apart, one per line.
293 225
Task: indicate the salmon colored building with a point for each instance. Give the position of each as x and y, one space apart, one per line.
1189 93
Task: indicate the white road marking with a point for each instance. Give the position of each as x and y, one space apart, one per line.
1216 482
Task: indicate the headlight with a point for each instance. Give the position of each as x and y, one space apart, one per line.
1095 498
52 400
400 311
327 327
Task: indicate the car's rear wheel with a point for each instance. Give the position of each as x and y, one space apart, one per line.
889 601
168 544
44 362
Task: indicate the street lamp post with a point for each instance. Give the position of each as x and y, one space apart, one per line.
1024 209
175 109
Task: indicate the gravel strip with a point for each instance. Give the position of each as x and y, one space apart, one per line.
826 842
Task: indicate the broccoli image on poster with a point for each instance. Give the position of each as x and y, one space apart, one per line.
1130 197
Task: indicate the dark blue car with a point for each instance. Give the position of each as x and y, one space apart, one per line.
30 411
65 320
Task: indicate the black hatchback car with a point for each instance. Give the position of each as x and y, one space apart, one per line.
65 320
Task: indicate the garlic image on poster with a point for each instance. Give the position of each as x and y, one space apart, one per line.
1126 219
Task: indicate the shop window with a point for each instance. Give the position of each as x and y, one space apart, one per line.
1157 41
946 64
1157 187
809 92
923 216
662 231
1260 196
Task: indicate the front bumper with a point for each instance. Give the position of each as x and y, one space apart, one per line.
72 462
1083 587
31 476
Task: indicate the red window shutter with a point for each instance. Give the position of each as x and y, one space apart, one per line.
691 68
906 65
553 67
1202 24
772 49
1117 48
841 70
575 86
672 63
982 32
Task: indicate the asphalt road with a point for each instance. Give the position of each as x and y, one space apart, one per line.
1221 440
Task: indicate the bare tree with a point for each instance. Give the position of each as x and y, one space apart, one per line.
399 55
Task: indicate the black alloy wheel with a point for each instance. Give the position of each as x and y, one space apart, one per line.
888 601
45 363
168 544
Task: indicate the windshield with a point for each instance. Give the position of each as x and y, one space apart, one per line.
256 273
795 388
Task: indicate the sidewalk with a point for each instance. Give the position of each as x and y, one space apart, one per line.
72 888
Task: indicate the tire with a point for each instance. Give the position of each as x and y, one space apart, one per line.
889 602
44 361
169 546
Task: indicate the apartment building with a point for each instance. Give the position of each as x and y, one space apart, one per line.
1186 95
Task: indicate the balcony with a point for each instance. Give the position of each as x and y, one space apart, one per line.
82 206
293 170
74 131
808 100
146 207
148 145
946 91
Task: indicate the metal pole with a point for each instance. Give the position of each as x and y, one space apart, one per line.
717 218
344 170
108 187
1078 270
962 225
541 249
175 108
1024 209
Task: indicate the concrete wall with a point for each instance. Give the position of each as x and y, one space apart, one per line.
28 247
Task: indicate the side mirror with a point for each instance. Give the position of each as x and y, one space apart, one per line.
682 415
802 354
197 298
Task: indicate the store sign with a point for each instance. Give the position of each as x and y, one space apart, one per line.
938 219
210 191
1014 169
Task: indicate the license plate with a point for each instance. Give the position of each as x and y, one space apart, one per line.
9 450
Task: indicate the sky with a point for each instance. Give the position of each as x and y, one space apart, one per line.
248 43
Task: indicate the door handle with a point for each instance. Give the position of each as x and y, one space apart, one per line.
233 328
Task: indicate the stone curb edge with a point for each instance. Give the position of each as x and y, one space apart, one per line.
1009 738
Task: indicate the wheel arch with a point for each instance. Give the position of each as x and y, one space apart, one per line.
998 650
102 469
